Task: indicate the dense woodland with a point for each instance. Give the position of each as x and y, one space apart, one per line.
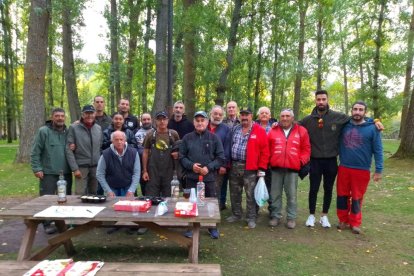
272 53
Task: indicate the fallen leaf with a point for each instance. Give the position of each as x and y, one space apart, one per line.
368 251
4 243
404 263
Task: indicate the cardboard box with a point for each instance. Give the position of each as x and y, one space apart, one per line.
128 205
185 209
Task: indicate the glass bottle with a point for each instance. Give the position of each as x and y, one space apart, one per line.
201 188
175 187
61 189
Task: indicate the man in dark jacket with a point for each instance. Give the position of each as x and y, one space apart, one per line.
130 121
201 153
48 158
103 120
179 121
222 131
87 138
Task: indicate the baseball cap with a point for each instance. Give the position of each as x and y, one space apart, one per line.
88 108
161 114
200 113
246 110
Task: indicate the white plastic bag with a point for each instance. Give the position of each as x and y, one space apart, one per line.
162 208
261 194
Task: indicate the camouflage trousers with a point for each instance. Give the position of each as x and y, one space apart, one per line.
239 179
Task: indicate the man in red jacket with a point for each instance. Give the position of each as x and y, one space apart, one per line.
250 157
289 148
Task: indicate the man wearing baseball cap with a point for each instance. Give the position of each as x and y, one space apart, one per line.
250 158
87 136
201 153
158 157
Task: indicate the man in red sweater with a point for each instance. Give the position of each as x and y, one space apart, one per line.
250 158
289 148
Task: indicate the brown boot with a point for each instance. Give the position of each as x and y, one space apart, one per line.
356 230
291 224
274 222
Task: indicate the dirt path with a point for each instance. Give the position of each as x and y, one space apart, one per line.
11 231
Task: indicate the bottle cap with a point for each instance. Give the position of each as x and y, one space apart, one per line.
200 178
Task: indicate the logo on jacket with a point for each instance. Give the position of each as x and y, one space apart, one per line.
130 124
253 136
333 127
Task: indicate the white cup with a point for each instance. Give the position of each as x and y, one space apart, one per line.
211 208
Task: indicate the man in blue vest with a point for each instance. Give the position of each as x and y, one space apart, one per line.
119 168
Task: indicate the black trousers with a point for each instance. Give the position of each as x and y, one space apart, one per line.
325 168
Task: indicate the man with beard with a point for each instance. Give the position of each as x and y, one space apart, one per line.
217 127
131 121
146 126
250 158
324 127
179 121
103 120
360 140
87 136
48 158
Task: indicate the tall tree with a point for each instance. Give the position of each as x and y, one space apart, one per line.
51 45
303 7
145 65
8 67
189 56
68 62
377 59
231 45
134 10
115 81
161 101
344 66
34 77
408 73
259 66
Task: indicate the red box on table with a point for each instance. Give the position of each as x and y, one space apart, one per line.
185 209
128 205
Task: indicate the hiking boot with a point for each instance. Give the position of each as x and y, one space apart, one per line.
274 222
214 233
188 234
291 224
223 207
310 222
325 222
251 224
232 219
342 225
112 230
356 230
50 229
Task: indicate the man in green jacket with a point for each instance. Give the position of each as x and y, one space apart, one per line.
48 157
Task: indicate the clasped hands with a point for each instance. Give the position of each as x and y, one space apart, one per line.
200 170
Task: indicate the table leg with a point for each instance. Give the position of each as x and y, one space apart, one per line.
28 239
193 250
62 227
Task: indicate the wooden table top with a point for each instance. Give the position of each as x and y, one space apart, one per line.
28 209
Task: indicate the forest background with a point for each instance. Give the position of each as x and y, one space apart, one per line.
257 52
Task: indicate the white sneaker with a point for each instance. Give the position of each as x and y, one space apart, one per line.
310 222
325 222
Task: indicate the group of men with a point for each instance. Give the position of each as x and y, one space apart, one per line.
227 151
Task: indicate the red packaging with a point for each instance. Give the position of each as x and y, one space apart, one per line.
185 209
127 205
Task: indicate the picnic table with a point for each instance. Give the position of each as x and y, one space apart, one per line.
160 224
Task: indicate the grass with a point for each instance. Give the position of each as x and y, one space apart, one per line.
386 248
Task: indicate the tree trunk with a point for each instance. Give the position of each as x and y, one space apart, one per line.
146 57
34 77
51 44
115 81
231 45
303 6
177 48
377 61
360 65
259 57
408 71
274 78
161 99
134 9
189 58
250 58
344 62
69 65
406 148
319 50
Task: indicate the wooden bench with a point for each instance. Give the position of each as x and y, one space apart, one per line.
14 268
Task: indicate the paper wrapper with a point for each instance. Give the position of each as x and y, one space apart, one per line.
129 205
185 209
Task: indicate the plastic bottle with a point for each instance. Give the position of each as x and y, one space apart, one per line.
201 188
175 187
61 189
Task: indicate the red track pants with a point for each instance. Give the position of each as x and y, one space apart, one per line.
351 187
